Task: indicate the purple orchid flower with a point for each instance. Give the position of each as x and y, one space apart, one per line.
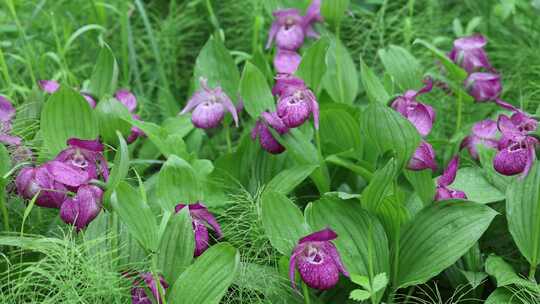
423 158
201 219
38 180
445 180
286 84
483 132
266 139
86 155
138 293
422 116
80 210
208 106
129 100
469 53
317 260
7 113
296 103
51 86
287 62
313 14
288 30
484 86
516 148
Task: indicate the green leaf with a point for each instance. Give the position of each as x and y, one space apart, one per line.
341 78
113 116
478 189
437 238
402 66
423 184
379 282
333 11
289 179
523 214
5 161
216 64
166 143
456 72
66 114
359 294
339 130
105 74
503 296
378 187
121 166
505 274
206 281
361 238
255 92
176 246
282 221
136 214
361 280
178 183
312 67
475 278
374 88
388 131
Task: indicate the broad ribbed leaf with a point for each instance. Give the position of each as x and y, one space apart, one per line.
423 184
105 74
207 280
474 184
216 64
437 237
112 117
176 246
5 160
66 114
402 66
389 131
505 274
121 166
523 214
312 68
455 71
255 92
378 187
178 183
282 221
374 88
503 296
333 11
136 214
339 130
288 179
341 78
361 238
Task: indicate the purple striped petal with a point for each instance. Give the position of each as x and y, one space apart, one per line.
449 174
287 62
127 99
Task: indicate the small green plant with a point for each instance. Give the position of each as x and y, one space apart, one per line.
370 287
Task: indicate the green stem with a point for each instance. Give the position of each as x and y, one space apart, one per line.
214 20
409 294
156 279
459 109
305 291
228 138
3 208
532 272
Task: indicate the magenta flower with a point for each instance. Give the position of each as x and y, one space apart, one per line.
423 158
201 220
445 180
422 116
86 155
208 106
483 133
31 181
287 30
138 292
266 139
7 113
287 62
484 86
296 104
317 260
130 102
313 14
51 86
83 208
469 53
286 84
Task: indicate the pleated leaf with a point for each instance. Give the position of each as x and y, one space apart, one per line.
339 130
424 184
255 92
121 166
474 184
288 179
341 78
312 68
105 74
113 116
378 187
374 88
402 66
178 183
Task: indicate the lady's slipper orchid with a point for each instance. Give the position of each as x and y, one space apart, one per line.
287 62
208 106
295 107
83 208
287 84
317 260
422 116
201 219
484 86
51 86
287 30
266 139
138 292
469 53
483 132
423 158
86 155
129 100
38 180
445 180
7 112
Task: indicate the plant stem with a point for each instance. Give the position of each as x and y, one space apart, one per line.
459 114
532 272
157 281
305 291
5 216
228 138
